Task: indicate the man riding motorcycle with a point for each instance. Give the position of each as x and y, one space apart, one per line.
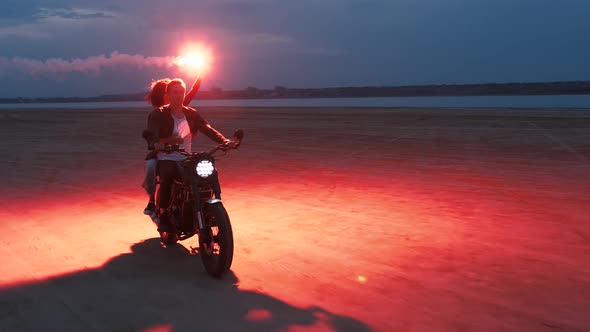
175 124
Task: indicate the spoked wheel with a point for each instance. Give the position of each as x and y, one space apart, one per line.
217 244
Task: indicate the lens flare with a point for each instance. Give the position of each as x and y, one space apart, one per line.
194 58
361 279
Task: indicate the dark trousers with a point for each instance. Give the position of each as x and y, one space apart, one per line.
169 171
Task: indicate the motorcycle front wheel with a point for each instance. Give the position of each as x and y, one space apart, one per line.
217 247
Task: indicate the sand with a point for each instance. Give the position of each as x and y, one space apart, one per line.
344 220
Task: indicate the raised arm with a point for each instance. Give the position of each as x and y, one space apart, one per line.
193 91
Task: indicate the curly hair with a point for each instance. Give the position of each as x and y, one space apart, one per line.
157 92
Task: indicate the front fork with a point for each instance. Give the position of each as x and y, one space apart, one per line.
200 222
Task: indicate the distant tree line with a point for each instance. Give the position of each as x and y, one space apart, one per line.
487 89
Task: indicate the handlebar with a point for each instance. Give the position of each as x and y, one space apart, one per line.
238 134
169 148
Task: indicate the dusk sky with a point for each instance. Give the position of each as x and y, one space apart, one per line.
305 43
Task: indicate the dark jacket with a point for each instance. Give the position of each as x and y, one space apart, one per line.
161 125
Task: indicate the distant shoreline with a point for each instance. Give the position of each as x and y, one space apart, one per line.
279 92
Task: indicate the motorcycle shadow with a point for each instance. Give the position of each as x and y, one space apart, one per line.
154 288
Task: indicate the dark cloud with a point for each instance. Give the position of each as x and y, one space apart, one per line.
70 13
313 42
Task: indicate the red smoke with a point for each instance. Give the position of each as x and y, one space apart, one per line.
91 64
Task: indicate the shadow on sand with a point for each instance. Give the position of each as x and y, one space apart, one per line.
156 289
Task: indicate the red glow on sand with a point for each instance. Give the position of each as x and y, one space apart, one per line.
159 328
77 214
258 315
406 235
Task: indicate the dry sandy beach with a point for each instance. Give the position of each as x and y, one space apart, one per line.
344 220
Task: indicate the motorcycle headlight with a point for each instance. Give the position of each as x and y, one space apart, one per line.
205 168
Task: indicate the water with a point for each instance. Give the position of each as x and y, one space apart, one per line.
556 101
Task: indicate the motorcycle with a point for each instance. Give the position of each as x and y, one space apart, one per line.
197 208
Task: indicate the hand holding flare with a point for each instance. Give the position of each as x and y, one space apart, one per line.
194 59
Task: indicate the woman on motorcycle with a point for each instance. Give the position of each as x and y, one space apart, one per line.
176 124
158 98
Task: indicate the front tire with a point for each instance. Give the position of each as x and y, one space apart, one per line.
218 258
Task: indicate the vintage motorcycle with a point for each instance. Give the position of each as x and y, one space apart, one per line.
197 209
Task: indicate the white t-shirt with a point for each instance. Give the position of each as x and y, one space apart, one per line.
181 130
